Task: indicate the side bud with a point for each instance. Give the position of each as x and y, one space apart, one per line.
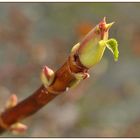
12 101
47 76
81 76
18 128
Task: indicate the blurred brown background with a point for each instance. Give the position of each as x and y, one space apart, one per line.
36 34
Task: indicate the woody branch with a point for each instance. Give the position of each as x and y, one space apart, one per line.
84 55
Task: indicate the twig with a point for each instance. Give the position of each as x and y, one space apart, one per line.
84 55
41 96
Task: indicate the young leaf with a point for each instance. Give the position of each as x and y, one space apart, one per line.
112 45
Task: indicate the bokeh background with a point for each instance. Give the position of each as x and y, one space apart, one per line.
36 34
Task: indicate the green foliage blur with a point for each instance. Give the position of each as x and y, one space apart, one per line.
36 34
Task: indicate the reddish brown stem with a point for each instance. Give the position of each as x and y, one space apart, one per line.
43 95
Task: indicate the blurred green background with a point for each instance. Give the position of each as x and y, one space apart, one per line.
36 34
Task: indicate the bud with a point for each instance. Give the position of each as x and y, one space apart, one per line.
47 76
12 101
92 47
18 128
81 76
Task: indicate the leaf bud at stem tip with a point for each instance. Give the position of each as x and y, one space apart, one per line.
92 47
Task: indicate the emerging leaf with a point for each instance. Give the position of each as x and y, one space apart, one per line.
112 45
